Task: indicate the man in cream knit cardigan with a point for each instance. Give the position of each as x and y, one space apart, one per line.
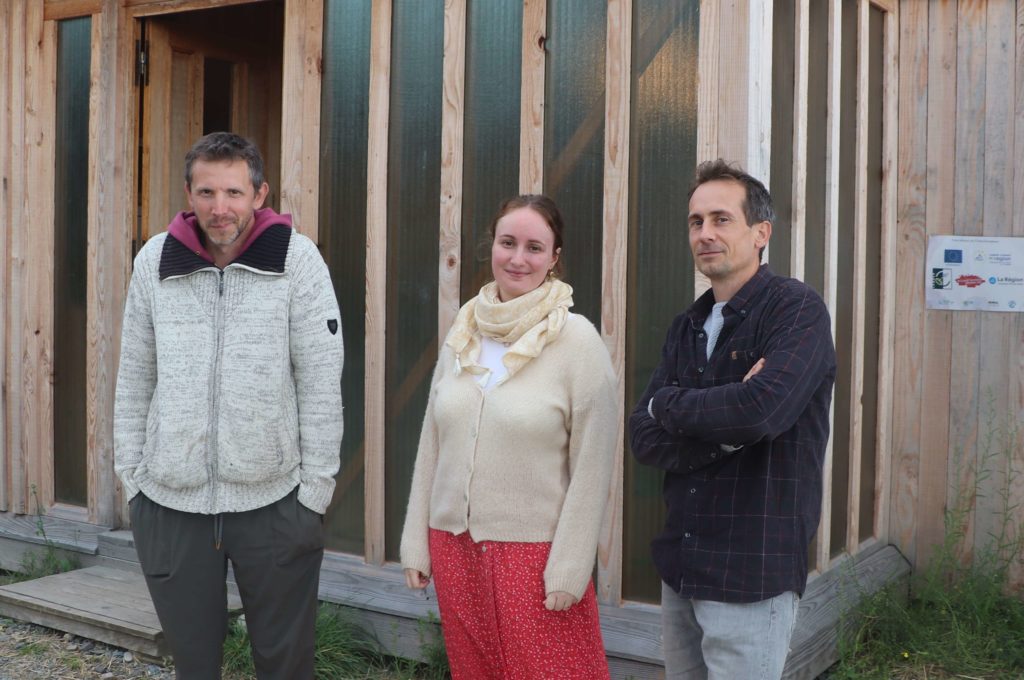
227 424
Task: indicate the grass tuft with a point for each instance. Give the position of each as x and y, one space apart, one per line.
960 618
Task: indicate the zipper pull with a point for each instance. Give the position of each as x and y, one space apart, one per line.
220 284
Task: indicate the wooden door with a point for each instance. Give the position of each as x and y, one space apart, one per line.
206 71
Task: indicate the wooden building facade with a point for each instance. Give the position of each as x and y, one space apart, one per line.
392 130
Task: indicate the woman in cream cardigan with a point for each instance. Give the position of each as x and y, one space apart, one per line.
513 468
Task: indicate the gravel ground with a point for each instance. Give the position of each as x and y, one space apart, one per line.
29 652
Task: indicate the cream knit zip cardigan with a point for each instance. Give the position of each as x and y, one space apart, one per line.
229 385
527 461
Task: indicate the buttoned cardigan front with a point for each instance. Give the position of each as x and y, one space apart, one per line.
528 461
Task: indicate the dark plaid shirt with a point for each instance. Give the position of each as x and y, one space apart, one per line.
739 523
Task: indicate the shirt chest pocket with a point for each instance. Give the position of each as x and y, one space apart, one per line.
733 363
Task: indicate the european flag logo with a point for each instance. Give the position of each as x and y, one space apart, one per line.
954 257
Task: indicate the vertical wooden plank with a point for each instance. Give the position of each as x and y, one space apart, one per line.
1016 366
969 194
37 320
733 85
618 80
859 264
110 219
910 246
531 125
708 105
707 80
996 328
452 123
798 222
300 111
5 216
759 27
376 271
835 14
156 162
886 331
17 242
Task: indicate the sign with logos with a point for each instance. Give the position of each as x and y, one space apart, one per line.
981 273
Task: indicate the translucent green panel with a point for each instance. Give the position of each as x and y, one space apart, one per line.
844 264
414 178
574 140
491 135
660 283
817 146
343 133
783 85
71 192
873 273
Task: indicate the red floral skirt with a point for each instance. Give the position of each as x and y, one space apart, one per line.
491 596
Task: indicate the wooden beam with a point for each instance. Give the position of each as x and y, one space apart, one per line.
798 222
708 106
860 228
140 8
452 124
38 225
887 6
300 111
888 294
6 143
531 121
54 10
618 83
376 273
16 188
831 255
112 139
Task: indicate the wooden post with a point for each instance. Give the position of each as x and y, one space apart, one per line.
835 14
797 245
376 271
618 79
6 12
300 111
452 115
531 124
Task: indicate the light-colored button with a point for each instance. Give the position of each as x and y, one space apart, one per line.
687 534
693 491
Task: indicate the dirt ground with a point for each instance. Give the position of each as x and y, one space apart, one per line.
29 652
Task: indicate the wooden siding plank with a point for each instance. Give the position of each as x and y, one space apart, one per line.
618 82
110 220
995 328
910 246
860 228
5 215
733 85
54 10
37 296
452 125
531 123
17 243
758 156
708 103
376 273
823 540
969 192
888 294
300 110
707 80
1015 407
798 221
887 6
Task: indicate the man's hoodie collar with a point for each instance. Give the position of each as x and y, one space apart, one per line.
265 247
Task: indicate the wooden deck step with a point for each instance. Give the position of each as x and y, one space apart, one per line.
99 603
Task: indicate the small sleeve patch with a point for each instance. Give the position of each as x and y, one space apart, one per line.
332 326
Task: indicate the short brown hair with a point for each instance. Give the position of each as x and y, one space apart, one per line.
226 146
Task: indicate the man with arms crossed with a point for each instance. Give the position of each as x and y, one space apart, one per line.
227 419
737 415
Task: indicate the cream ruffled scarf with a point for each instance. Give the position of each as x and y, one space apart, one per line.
526 323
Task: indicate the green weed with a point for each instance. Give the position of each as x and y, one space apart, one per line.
959 617
52 560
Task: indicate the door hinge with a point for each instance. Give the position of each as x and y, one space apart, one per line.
142 62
